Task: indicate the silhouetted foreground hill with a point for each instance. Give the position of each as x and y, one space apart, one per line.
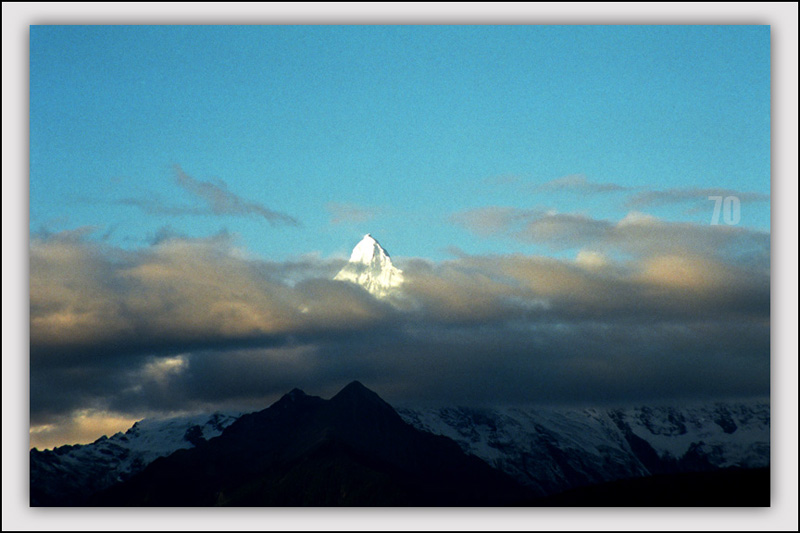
730 487
351 450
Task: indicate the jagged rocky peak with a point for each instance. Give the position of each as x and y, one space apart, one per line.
371 267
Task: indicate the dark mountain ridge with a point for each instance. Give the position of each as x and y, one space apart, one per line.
351 450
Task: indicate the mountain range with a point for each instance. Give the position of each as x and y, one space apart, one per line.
355 449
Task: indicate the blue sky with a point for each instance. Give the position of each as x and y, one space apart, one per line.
397 131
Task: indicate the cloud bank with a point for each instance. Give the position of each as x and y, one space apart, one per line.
652 310
637 233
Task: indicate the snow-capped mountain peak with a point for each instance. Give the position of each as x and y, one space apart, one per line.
366 250
371 267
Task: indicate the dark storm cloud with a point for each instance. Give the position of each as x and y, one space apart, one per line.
97 309
195 324
217 200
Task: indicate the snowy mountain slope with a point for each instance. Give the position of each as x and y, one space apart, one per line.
547 449
553 450
371 267
67 474
728 435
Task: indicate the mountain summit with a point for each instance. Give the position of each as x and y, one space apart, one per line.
371 267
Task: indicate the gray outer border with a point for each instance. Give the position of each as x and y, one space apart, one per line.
783 19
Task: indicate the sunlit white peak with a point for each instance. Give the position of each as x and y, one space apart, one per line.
371 267
366 250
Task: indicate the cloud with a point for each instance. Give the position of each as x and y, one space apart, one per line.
197 324
696 199
564 230
575 183
221 201
691 195
349 213
637 233
578 183
217 200
493 220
